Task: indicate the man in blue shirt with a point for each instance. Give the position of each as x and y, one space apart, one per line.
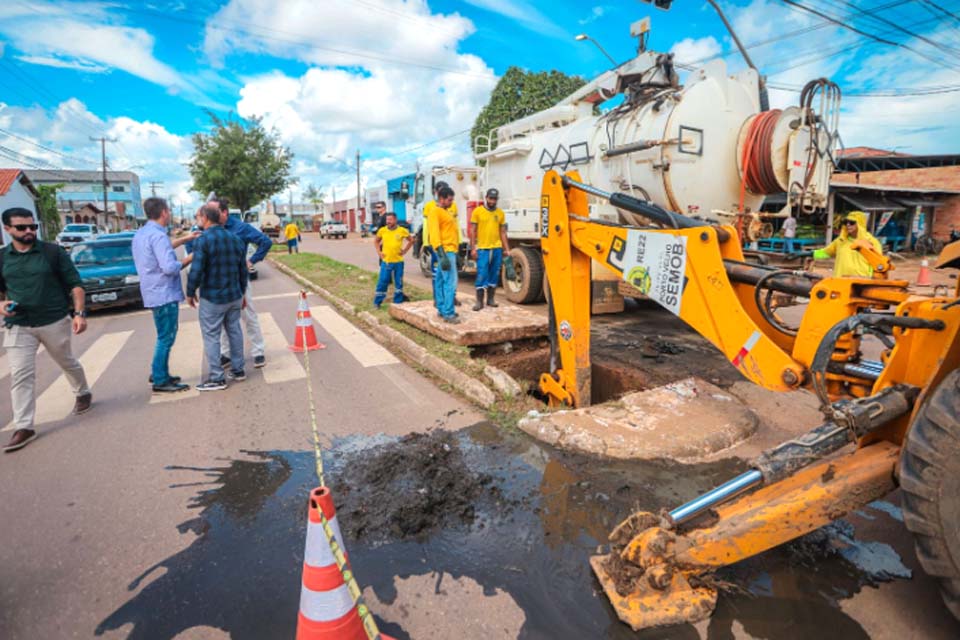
159 270
219 271
249 235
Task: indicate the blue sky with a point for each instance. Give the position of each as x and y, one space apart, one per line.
389 76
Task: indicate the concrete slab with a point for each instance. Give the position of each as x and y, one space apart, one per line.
505 323
685 420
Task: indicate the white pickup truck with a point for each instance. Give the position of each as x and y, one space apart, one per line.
333 229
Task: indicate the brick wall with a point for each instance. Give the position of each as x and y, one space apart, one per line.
946 217
931 178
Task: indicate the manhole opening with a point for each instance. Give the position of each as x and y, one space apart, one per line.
611 380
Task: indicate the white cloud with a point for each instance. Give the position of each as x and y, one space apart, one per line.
595 14
525 13
343 102
692 50
146 148
337 32
53 61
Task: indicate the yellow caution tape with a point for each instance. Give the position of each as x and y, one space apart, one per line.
369 624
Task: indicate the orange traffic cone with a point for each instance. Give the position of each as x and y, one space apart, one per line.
327 610
305 338
923 278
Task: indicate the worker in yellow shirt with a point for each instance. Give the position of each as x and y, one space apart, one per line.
291 233
392 243
425 230
428 207
443 240
848 261
488 239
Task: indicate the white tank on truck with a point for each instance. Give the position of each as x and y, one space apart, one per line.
704 149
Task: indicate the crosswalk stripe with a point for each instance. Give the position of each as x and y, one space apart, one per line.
367 352
282 364
57 401
186 360
273 296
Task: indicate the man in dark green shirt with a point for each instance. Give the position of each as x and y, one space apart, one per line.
39 287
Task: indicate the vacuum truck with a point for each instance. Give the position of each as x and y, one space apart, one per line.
704 149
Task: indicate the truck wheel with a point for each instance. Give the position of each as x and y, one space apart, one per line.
930 480
528 286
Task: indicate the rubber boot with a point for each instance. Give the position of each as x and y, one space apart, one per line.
490 301
479 305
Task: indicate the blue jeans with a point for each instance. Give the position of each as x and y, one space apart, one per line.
215 318
445 287
166 318
488 268
389 271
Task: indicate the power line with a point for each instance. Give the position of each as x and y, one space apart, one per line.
883 93
944 11
946 49
40 146
845 25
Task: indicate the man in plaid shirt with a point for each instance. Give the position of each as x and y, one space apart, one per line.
219 270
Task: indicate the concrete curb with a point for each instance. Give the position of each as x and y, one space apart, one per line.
472 388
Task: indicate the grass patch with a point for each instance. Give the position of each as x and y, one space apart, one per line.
356 286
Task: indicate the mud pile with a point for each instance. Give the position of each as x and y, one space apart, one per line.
409 489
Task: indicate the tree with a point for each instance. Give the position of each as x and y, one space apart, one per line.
47 210
240 160
314 196
520 93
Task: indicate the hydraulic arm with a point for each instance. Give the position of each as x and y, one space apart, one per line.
698 272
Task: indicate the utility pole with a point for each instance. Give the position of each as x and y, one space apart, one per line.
103 156
291 204
153 187
358 186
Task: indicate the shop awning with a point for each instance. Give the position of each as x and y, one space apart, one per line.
871 202
918 202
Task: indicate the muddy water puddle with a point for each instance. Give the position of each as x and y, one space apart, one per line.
498 509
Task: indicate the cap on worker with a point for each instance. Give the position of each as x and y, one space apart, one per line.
440 185
493 193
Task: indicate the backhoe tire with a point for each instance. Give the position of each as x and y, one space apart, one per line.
424 259
528 287
930 481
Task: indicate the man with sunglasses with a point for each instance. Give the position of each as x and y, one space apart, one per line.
849 262
39 288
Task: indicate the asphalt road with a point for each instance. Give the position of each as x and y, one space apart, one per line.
98 499
179 517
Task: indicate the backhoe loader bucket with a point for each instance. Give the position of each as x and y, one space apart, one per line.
646 606
658 574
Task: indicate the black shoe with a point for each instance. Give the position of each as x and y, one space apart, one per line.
456 302
239 376
490 301
173 379
212 385
170 387
479 305
259 362
224 360
82 405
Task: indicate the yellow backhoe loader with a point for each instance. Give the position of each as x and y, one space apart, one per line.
901 413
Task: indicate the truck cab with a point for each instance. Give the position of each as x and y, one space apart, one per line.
465 182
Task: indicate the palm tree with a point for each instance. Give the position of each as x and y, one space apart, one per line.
314 196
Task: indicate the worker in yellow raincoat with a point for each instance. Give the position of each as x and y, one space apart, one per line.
848 261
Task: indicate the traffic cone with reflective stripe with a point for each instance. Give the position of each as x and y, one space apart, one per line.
923 278
305 338
327 610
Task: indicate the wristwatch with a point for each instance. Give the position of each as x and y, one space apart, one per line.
82 314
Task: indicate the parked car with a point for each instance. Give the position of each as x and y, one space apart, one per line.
333 229
108 273
117 235
74 233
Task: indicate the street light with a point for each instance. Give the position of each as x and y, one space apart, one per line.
583 36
